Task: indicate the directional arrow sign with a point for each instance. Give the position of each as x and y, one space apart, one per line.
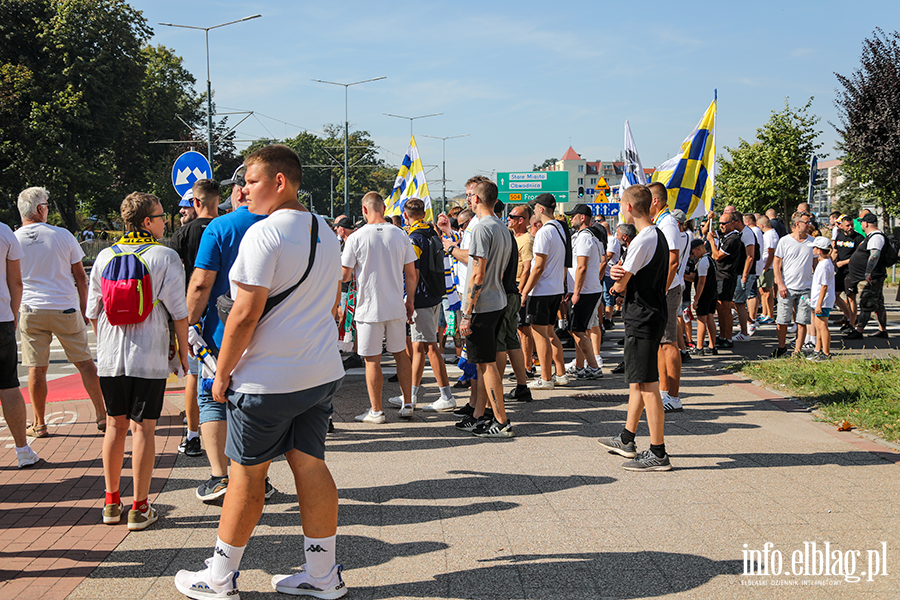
188 168
528 185
604 208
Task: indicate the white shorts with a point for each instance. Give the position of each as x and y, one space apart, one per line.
369 336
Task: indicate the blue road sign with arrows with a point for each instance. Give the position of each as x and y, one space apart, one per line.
188 168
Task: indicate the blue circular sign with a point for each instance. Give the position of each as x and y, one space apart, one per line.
189 168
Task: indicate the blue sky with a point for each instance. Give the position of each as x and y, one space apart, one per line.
524 79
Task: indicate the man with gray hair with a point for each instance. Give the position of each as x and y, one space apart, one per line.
54 299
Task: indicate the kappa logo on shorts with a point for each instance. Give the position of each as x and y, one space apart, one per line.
315 548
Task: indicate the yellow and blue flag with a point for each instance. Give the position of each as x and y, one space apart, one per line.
690 176
410 183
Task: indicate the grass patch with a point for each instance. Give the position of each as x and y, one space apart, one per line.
864 391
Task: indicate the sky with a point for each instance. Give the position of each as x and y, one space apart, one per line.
524 79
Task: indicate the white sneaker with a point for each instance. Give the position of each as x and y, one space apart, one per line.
369 417
406 411
751 327
540 384
740 337
27 457
792 328
442 405
560 380
200 585
599 361
302 584
571 366
396 401
672 404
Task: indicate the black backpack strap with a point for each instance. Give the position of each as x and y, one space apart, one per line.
274 301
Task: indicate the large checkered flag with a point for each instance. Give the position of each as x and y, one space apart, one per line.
634 170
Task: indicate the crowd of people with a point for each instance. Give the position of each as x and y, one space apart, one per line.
251 306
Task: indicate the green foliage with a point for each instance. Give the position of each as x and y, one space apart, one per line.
544 165
773 170
869 105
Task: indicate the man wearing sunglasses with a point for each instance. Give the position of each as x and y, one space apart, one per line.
730 256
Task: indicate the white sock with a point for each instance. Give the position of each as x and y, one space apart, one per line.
374 413
23 449
225 560
663 393
446 394
811 339
599 360
193 434
415 393
319 555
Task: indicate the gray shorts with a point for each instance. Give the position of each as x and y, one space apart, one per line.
262 427
742 291
673 303
785 311
425 324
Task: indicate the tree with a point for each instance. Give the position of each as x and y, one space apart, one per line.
773 171
544 165
869 110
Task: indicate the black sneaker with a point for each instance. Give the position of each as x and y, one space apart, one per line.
493 429
779 352
519 395
710 352
725 344
846 327
214 488
621 342
393 379
607 324
685 357
853 335
330 425
354 361
465 410
451 360
190 447
462 385
270 489
881 334
647 461
618 369
615 444
468 423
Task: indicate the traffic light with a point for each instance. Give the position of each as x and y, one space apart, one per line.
581 191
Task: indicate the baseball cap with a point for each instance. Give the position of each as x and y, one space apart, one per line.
545 200
679 215
225 205
345 222
822 242
580 209
869 218
697 244
187 199
237 178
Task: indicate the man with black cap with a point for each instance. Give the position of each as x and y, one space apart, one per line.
543 292
867 265
215 257
587 289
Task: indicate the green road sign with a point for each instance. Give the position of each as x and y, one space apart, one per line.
528 185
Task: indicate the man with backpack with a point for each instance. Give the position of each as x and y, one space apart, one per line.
868 264
587 290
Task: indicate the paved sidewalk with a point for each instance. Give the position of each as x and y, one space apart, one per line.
430 512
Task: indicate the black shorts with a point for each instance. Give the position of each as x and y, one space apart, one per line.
725 289
584 311
871 298
706 305
481 345
839 280
641 365
9 357
508 338
851 286
541 310
133 397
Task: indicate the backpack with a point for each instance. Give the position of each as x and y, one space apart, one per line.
434 279
599 232
126 287
566 235
890 254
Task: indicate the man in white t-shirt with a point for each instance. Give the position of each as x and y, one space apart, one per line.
10 295
278 372
381 258
587 290
53 303
543 292
766 276
746 276
793 264
753 296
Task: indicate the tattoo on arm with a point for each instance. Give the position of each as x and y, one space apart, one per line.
873 261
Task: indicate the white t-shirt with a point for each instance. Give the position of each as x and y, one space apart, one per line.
669 227
684 253
9 250
874 241
139 350
377 254
616 248
823 275
549 242
703 266
641 250
294 347
748 239
462 269
584 243
797 262
770 242
50 253
762 249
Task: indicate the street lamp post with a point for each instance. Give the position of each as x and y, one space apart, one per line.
347 136
209 139
411 119
444 163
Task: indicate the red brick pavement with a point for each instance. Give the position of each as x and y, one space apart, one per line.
51 534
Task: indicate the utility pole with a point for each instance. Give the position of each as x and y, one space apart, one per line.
444 161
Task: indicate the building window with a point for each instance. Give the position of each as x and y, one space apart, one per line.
581 181
581 168
593 181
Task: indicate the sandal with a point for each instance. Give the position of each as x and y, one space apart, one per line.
39 431
101 424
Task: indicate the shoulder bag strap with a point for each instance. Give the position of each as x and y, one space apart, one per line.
274 301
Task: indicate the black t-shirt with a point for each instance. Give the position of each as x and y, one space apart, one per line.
645 311
860 258
731 264
846 243
186 242
420 238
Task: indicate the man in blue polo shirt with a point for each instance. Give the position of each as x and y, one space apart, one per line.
217 253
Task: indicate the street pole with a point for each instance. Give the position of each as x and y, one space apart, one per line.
209 135
411 119
444 162
346 137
